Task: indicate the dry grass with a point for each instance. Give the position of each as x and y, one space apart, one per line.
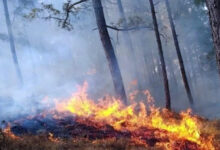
45 142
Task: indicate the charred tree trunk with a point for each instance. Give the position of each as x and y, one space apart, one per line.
109 50
162 61
128 41
11 40
179 55
214 16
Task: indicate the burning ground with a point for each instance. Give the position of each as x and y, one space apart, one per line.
82 123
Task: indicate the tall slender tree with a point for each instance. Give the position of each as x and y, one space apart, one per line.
179 55
128 41
214 17
162 61
11 40
109 50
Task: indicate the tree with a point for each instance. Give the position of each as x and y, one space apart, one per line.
162 61
64 20
109 50
214 17
128 40
11 40
179 55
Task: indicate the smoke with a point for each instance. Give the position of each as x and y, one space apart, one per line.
54 61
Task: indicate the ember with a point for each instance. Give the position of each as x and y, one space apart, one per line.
142 123
128 49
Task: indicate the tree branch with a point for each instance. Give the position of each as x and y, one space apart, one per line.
76 3
127 29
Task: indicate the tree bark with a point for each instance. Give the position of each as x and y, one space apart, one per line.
162 61
109 51
214 17
179 55
11 39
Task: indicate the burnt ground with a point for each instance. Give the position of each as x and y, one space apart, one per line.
47 133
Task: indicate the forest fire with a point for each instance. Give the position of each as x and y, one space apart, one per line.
49 46
134 117
142 123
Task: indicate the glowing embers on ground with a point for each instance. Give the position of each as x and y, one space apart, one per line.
136 118
7 131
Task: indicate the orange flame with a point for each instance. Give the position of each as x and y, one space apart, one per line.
135 116
52 138
7 132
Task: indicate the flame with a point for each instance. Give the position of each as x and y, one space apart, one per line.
132 118
52 138
7 131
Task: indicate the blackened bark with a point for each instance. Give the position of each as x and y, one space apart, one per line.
214 16
11 40
160 48
179 55
109 51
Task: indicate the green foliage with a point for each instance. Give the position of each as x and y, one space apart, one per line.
51 9
33 14
63 17
199 2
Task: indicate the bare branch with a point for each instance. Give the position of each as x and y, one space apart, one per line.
134 28
127 29
76 3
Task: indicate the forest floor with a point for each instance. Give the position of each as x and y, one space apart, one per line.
42 142
45 141
48 142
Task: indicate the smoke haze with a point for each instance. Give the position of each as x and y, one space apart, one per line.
54 61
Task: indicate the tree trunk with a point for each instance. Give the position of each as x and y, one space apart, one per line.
214 16
162 61
11 40
179 55
109 51
129 44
